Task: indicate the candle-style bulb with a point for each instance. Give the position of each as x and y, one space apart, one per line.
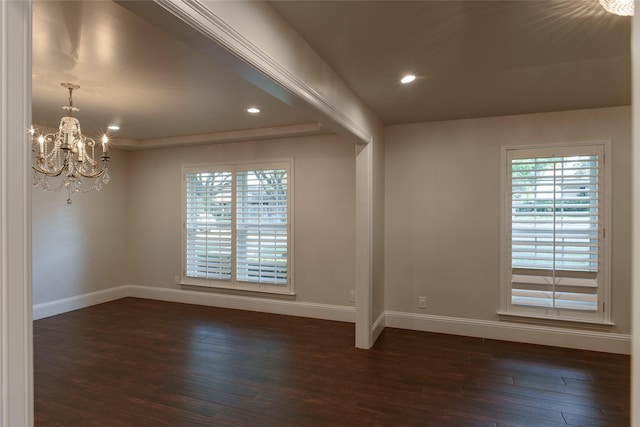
40 146
105 147
80 151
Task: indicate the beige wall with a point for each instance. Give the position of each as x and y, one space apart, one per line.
324 182
80 248
442 212
436 175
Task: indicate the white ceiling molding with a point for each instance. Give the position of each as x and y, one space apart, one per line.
261 134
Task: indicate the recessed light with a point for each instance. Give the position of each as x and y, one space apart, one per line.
407 79
253 110
113 127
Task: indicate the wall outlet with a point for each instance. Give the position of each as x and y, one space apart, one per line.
422 302
352 296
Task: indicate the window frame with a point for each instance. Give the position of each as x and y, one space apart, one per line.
233 284
603 314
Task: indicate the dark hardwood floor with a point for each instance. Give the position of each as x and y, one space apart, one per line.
136 362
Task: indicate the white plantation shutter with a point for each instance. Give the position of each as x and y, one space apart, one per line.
208 225
556 209
262 225
237 227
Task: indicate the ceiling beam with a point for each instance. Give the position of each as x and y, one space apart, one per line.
254 42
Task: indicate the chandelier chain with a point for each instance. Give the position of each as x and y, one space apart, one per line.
71 100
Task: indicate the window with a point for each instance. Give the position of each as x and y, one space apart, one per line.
555 222
237 230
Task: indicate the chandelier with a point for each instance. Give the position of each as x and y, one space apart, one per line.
67 159
619 7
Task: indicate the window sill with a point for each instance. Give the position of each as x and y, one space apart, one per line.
551 321
237 289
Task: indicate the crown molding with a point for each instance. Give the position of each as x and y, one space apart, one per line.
245 135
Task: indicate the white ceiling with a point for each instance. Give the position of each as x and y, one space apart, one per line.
472 59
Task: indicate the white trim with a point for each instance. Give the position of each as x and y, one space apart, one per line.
234 168
498 330
505 291
378 327
364 245
65 305
635 219
260 134
16 334
240 302
603 315
551 321
517 332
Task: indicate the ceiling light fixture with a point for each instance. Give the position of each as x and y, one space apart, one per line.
253 110
68 156
619 7
407 79
113 127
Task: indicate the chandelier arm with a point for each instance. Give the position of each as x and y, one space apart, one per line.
49 173
92 175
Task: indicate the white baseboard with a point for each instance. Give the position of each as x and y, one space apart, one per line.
250 303
499 330
64 305
239 302
506 331
378 327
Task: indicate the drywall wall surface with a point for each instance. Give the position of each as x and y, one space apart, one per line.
378 304
80 248
442 207
324 209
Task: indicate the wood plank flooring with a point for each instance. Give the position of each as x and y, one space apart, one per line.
136 362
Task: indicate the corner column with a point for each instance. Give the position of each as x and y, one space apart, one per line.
16 334
635 219
364 244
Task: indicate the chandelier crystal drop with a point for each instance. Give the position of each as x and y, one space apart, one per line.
67 159
619 7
